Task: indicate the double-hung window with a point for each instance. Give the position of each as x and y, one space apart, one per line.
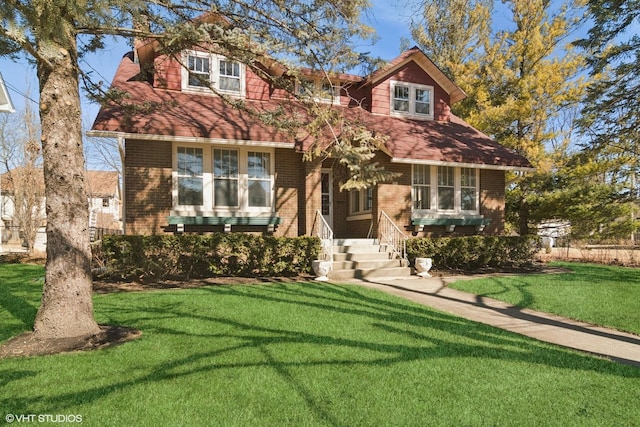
259 178
199 70
361 201
421 187
468 189
229 76
204 71
411 100
401 98
322 91
225 177
444 190
190 176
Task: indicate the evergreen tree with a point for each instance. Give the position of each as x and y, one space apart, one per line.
611 113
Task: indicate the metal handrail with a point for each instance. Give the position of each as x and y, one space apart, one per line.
390 234
325 233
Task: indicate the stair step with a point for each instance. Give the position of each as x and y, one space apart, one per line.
366 264
368 273
364 258
353 242
377 256
359 249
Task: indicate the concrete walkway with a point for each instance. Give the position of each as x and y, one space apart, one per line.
433 292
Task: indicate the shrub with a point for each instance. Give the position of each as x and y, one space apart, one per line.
475 252
186 256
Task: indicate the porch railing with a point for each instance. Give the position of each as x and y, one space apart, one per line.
389 234
322 229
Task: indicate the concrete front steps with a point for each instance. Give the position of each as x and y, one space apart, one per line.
364 259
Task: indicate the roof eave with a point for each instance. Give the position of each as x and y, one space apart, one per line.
188 139
514 168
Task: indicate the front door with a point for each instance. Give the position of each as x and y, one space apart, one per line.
326 181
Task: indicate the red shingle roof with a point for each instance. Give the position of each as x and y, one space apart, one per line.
180 113
206 116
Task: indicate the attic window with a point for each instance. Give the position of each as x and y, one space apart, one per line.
411 100
321 90
204 71
199 70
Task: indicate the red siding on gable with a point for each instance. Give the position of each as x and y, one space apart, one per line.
409 73
256 87
168 73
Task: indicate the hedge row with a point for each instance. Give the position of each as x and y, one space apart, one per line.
187 256
475 252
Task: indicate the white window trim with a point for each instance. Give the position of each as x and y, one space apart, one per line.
412 100
214 74
457 211
317 87
207 208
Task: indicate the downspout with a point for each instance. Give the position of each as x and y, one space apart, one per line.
123 199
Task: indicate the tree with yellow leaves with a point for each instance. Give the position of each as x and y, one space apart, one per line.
522 77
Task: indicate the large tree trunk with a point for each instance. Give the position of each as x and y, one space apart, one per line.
67 308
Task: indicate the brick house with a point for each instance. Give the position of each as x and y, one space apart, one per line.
198 164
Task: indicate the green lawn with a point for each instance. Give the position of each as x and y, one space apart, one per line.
304 354
599 294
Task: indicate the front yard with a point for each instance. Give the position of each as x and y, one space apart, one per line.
604 295
303 354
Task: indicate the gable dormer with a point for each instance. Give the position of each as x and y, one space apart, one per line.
412 86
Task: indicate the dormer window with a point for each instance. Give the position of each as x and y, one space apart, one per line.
205 71
229 76
199 70
321 90
411 100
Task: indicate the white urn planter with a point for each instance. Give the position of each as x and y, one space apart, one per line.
423 265
321 268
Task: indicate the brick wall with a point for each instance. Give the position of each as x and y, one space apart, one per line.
492 188
310 202
394 198
289 187
147 174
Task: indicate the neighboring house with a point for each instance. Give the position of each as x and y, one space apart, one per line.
198 164
104 203
103 191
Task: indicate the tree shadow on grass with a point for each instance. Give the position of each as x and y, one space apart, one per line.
219 337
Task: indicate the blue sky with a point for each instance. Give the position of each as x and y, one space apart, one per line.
389 21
